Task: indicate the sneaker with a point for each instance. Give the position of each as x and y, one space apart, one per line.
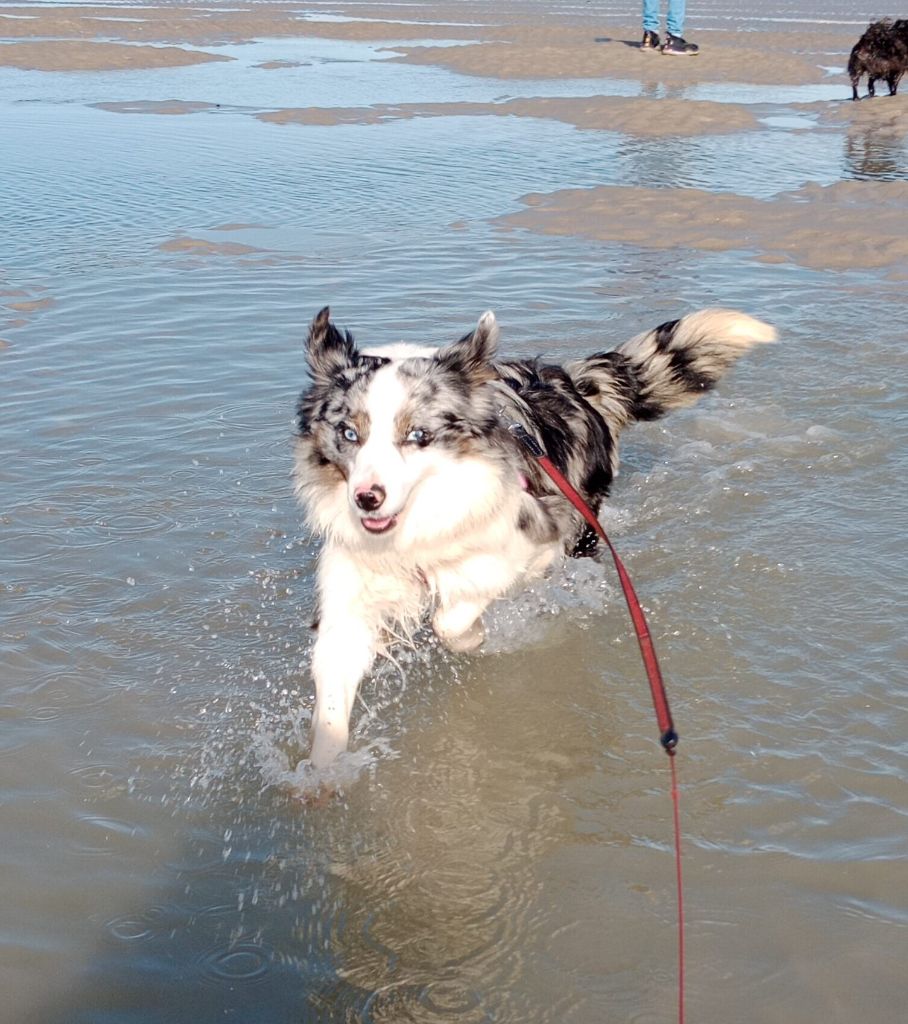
679 46
650 41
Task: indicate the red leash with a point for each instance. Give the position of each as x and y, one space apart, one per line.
667 735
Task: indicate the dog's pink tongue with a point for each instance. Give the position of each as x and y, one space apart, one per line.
378 525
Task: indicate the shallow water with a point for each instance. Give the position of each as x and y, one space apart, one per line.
501 848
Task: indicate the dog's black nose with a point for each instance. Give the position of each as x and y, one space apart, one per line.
370 499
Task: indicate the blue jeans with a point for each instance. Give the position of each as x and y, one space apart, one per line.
674 20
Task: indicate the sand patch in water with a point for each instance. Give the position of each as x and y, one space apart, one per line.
167 107
189 23
638 116
275 65
580 52
30 305
202 247
71 55
837 227
885 114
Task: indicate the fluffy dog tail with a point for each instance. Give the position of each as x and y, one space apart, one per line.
667 368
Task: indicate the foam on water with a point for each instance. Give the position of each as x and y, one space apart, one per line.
297 775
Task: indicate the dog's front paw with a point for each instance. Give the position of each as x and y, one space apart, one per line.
464 643
312 787
317 797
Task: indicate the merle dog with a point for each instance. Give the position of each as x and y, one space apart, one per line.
426 503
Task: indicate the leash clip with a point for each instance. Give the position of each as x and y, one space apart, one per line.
669 740
529 442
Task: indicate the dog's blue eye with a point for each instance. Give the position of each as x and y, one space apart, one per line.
349 434
418 436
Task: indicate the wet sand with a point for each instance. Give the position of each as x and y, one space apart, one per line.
506 42
816 227
70 55
845 225
643 117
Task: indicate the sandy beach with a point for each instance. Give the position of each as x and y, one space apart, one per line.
819 227
184 187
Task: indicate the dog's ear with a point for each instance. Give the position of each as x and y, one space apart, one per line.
473 354
328 350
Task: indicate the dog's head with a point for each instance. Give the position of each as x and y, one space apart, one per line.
396 441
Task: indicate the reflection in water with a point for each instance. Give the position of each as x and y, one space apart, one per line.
876 151
654 89
659 163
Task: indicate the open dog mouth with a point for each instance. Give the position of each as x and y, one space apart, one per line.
376 524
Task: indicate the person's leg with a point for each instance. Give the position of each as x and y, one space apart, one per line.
674 20
651 15
650 25
675 43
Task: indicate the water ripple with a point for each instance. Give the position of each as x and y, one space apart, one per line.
502 826
243 962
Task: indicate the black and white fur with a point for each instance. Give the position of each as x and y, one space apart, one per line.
881 52
428 505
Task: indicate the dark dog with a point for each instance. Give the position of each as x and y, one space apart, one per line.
881 52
